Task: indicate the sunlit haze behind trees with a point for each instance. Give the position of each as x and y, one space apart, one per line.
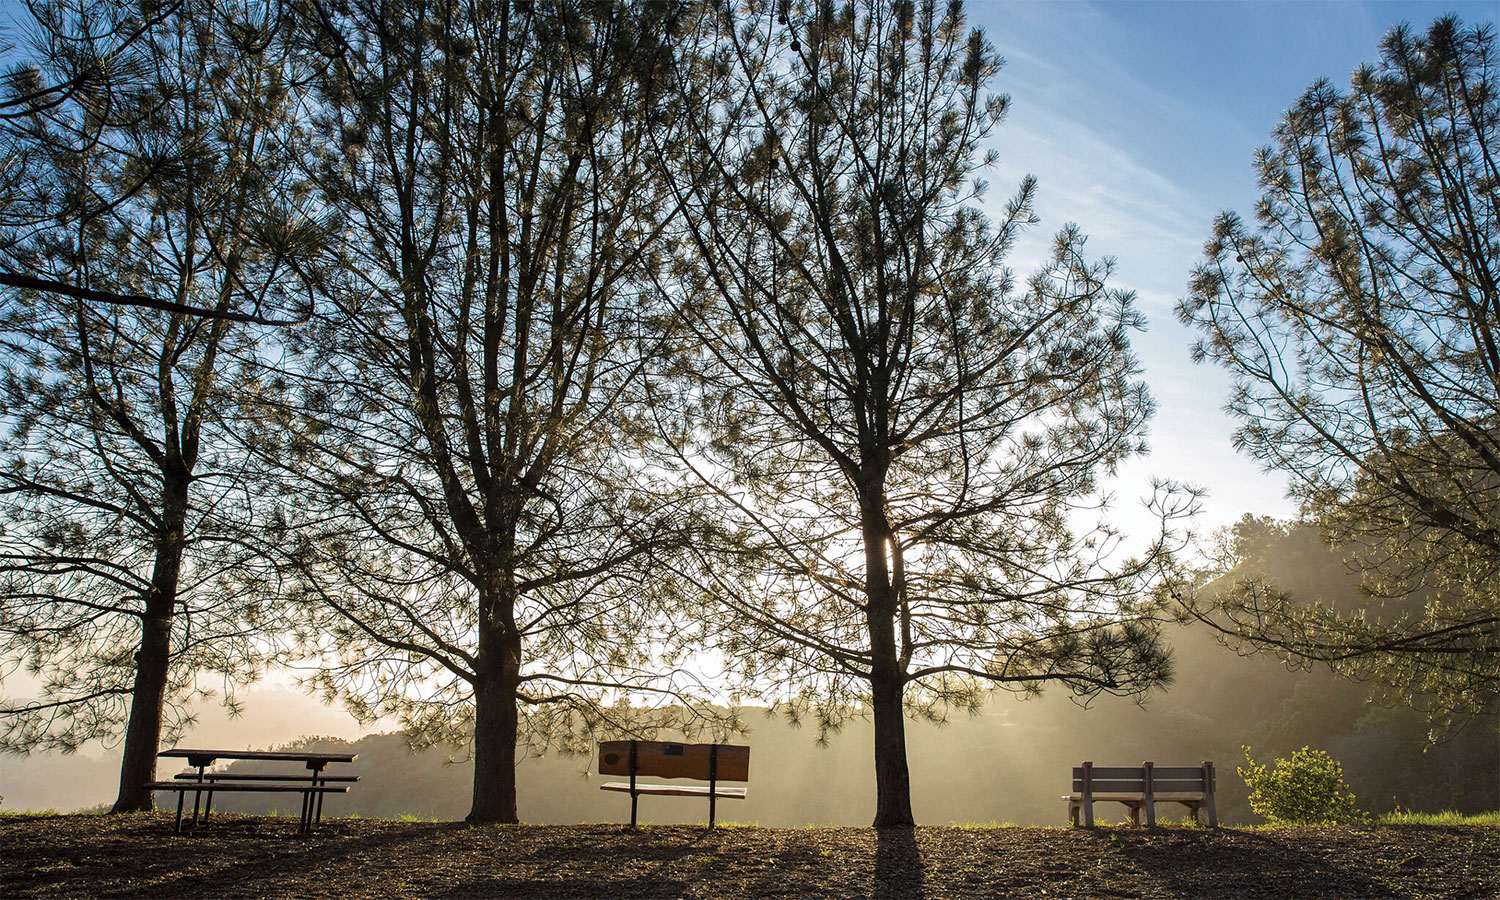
1139 121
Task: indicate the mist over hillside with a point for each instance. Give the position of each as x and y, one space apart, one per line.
1009 764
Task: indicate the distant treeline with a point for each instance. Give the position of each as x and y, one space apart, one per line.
1009 764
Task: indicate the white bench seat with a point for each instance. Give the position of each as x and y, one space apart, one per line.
1142 787
676 790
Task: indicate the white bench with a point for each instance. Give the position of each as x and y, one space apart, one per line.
1142 787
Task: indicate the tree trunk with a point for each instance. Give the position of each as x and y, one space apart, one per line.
887 681
892 778
495 721
153 659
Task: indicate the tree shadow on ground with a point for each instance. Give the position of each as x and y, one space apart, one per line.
235 852
1234 863
620 862
898 865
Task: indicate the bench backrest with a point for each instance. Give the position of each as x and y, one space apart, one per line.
664 759
1133 779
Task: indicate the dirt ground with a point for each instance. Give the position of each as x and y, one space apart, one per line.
254 856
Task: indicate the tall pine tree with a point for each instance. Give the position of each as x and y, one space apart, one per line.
904 442
480 538
124 578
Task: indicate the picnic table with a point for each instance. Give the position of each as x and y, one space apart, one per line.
312 786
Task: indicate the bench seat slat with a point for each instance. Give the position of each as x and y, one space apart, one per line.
1138 797
676 790
219 786
1159 773
1137 786
1171 772
1135 772
1125 787
221 777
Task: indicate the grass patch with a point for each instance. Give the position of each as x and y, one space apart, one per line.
37 813
26 813
1446 817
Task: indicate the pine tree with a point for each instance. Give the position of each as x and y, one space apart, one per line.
480 532
1360 320
904 442
125 575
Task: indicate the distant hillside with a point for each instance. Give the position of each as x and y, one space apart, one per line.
1009 765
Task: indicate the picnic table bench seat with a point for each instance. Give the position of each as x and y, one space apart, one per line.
307 789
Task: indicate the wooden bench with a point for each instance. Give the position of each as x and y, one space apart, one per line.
663 759
312 786
1142 786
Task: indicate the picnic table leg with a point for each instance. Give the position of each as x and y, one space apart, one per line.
197 796
181 796
315 780
307 802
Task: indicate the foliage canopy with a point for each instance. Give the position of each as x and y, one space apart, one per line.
904 444
1360 320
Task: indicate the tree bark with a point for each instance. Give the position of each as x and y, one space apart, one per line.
892 778
496 720
153 659
887 681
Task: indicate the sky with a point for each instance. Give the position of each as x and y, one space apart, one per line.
1139 120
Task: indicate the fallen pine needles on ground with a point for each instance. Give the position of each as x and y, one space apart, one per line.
257 856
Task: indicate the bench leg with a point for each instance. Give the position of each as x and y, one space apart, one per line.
197 797
633 797
208 804
1073 813
1135 813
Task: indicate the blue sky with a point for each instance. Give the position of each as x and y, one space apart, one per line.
1139 120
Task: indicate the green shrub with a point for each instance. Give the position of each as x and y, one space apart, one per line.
1307 789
